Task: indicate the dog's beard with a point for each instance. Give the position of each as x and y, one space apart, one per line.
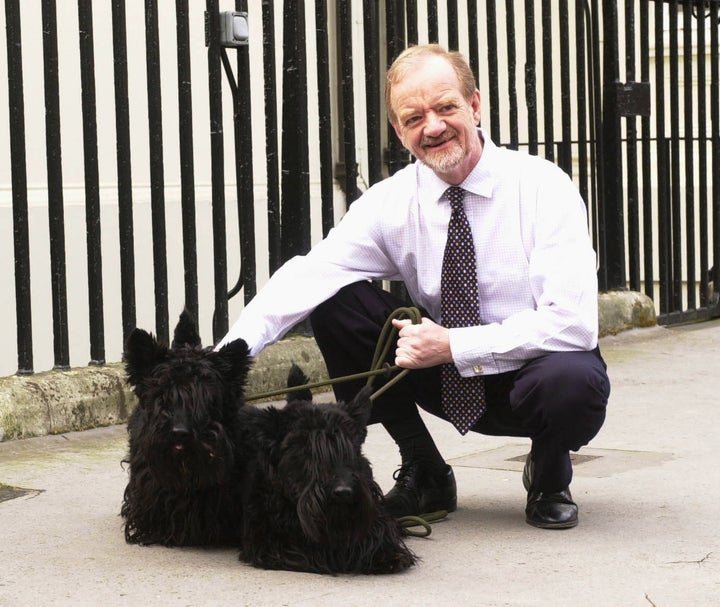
200 460
327 520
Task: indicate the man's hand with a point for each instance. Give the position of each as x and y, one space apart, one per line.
421 346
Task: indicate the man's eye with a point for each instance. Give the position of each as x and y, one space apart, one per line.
412 120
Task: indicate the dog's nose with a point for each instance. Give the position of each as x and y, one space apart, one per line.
179 433
343 492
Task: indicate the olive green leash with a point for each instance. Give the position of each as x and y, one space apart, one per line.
423 520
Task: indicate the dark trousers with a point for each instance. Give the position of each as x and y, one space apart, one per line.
557 400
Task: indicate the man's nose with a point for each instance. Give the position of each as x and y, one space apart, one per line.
434 125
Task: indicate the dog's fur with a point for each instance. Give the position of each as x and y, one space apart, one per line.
310 501
184 485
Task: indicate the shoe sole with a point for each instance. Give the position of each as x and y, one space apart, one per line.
568 525
434 506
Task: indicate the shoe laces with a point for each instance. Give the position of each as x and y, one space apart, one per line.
404 473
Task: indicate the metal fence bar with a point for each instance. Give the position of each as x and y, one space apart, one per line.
433 28
592 19
396 37
373 88
715 122
612 215
412 22
187 163
452 19
217 163
600 238
531 77
493 76
157 171
675 192
242 121
582 74
18 170
631 155
92 184
512 74
271 136
348 104
472 27
663 158
325 110
689 114
548 69
702 159
646 154
565 147
295 181
124 168
56 210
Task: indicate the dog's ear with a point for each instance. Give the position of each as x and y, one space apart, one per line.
233 361
261 431
186 332
296 377
359 408
142 353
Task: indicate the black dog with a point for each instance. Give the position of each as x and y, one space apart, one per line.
184 487
310 501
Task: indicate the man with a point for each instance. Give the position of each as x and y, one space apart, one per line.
521 345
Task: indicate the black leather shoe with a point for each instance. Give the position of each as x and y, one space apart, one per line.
420 491
548 510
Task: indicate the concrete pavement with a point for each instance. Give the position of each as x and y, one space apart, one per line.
648 488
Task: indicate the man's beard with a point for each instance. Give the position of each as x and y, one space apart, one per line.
445 160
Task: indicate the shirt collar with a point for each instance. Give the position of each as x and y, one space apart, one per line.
480 181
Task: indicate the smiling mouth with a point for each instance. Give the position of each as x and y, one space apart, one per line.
432 145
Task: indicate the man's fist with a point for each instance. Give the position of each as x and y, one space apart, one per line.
421 346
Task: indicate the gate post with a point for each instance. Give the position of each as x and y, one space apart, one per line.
611 217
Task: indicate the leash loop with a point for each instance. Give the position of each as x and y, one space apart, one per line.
385 342
423 520
379 365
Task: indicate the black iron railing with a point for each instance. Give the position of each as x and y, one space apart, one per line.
638 128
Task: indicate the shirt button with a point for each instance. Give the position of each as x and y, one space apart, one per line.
478 369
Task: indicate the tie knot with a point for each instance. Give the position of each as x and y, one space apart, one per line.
455 195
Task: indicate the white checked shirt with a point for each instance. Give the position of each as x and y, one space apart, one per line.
536 266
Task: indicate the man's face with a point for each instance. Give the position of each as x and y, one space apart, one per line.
435 123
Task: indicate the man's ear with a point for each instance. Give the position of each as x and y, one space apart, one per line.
476 105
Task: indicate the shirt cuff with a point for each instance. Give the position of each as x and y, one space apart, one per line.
469 359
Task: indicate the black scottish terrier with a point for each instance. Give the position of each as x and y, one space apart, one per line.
184 486
310 502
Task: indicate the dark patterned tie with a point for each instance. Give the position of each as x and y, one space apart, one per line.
463 398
